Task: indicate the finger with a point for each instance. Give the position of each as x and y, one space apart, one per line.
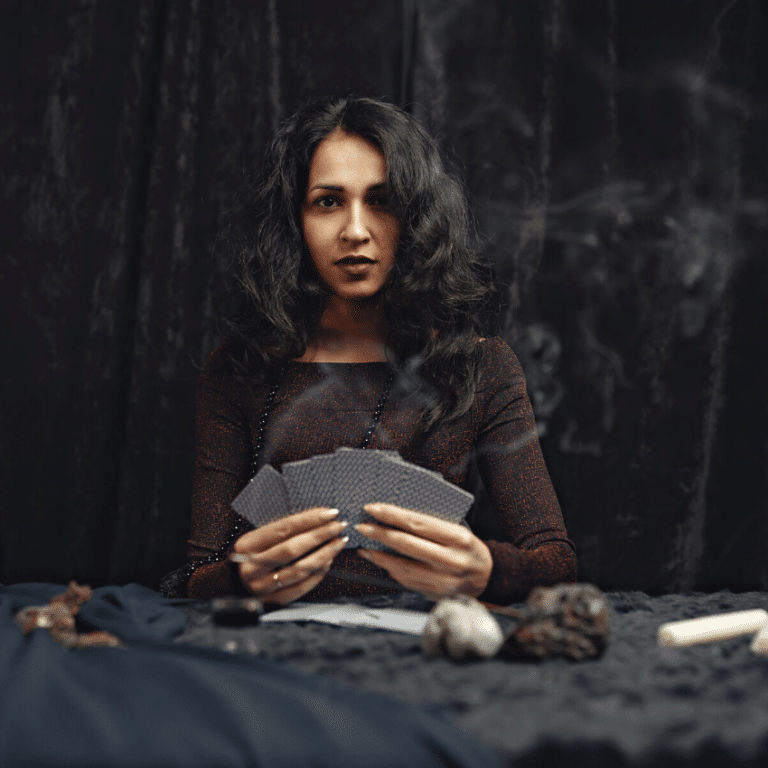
273 584
299 579
260 563
294 574
280 530
419 524
312 563
286 595
298 546
415 576
453 559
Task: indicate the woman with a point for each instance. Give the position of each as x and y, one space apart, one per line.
358 327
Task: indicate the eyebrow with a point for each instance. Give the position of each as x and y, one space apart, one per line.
336 188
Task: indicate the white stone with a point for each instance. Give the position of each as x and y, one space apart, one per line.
461 627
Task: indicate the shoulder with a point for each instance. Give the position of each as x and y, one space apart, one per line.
231 367
220 369
500 364
502 393
221 357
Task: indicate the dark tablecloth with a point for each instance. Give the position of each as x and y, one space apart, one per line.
638 705
189 692
156 704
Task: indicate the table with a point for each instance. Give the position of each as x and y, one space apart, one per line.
638 705
184 691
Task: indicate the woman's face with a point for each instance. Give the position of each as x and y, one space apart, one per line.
351 234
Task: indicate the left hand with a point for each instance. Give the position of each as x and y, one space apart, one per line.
448 558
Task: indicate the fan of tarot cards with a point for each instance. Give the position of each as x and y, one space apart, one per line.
346 480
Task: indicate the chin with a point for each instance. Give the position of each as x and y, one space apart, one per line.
360 295
365 297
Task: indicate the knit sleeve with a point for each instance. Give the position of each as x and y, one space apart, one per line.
222 461
537 551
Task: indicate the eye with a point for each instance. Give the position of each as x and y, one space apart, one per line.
328 201
378 199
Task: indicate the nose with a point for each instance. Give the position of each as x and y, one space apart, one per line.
355 227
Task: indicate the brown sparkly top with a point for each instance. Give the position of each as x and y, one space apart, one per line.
321 406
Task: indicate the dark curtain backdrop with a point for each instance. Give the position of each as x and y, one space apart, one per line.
615 153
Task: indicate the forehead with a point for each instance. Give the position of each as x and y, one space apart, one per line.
345 159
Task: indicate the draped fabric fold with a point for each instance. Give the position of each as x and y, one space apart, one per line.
155 703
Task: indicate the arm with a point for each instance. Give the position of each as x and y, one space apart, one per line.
445 558
222 461
278 562
537 551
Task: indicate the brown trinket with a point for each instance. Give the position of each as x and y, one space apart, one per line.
569 620
58 617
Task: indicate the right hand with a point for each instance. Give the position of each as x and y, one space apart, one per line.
280 570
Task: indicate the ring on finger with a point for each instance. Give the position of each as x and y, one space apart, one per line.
278 583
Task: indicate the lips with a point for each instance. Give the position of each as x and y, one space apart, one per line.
351 260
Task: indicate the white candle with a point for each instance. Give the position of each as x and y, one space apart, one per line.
709 629
760 642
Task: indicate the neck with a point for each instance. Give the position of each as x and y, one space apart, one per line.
364 319
349 332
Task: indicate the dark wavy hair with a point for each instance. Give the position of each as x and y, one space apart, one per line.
438 287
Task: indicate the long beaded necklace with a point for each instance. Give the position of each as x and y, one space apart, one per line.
186 572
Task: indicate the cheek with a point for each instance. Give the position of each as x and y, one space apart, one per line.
393 234
309 233
317 236
388 229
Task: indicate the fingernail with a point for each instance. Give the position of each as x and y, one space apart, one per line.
344 540
364 528
331 513
338 526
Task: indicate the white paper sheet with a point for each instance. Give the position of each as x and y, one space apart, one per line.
350 615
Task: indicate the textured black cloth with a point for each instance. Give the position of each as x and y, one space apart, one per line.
155 704
637 705
319 407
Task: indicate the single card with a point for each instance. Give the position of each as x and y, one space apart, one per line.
362 477
325 489
351 615
299 479
264 499
423 491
